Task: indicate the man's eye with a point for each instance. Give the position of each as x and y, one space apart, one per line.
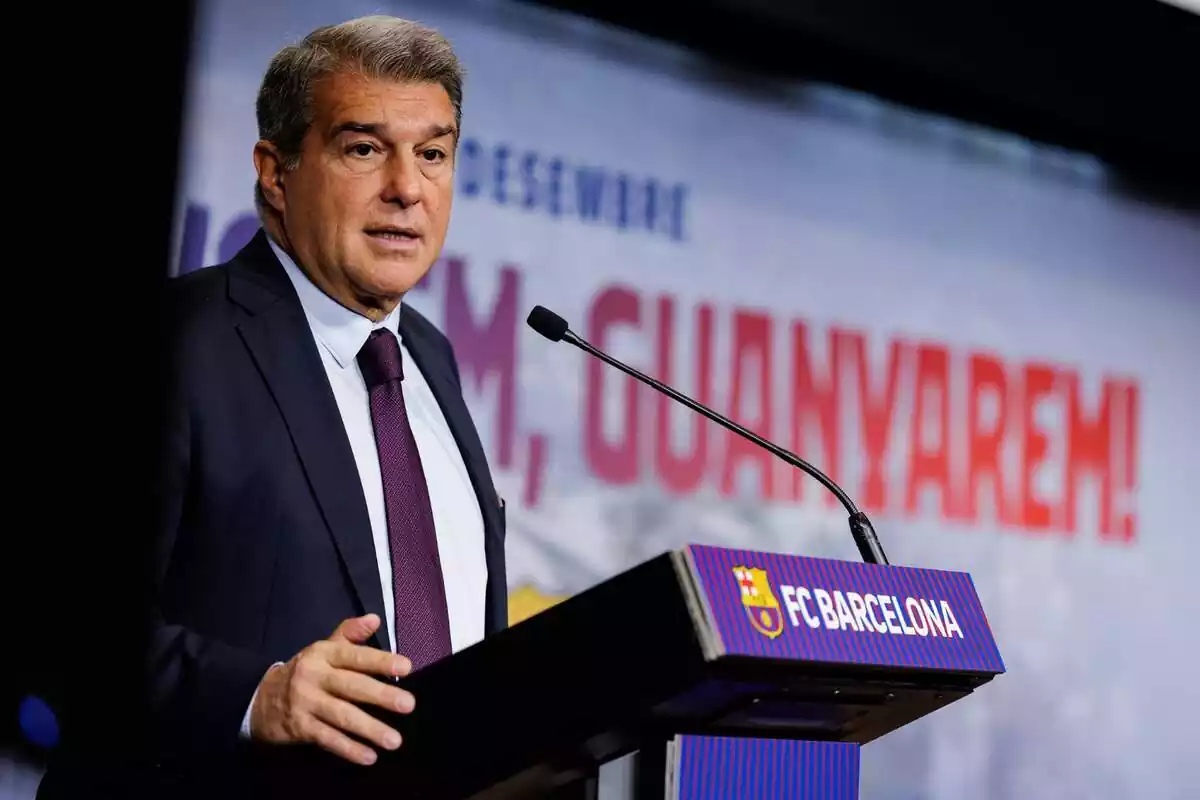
362 149
433 155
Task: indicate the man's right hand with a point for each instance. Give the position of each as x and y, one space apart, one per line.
311 698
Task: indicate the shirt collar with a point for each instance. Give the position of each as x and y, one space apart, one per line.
341 331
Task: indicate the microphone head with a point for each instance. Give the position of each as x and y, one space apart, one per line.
547 323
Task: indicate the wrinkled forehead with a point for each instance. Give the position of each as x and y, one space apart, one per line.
352 101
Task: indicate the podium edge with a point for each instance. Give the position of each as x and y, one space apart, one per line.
711 644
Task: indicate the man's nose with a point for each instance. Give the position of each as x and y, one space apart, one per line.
404 180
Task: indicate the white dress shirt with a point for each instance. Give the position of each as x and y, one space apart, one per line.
339 334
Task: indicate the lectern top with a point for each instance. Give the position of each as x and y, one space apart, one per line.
701 640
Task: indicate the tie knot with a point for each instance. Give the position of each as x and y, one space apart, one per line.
380 359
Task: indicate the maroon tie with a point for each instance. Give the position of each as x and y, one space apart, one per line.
422 621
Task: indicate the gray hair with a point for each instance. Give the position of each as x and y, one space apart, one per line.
375 46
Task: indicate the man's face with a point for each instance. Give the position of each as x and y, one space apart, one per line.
366 210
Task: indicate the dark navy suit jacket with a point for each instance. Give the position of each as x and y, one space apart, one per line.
266 544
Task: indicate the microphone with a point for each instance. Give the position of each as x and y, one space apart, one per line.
555 328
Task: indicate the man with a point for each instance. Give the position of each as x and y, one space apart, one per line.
331 520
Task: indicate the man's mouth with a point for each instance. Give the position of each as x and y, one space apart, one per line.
394 234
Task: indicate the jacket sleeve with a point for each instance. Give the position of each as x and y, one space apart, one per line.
199 688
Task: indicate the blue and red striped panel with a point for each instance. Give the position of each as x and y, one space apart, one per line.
715 768
774 605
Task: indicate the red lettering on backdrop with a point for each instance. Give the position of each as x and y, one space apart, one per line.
815 400
986 378
1090 450
877 413
1038 384
682 473
487 347
930 465
1099 434
614 462
751 344
1129 474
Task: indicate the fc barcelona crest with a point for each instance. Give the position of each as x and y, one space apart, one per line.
762 609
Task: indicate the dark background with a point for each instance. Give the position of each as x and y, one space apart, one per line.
1114 78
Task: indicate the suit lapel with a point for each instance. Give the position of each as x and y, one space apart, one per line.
278 336
437 371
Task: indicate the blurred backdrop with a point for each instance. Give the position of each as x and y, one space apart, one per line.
983 325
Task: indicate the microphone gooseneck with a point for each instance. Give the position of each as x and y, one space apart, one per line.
555 328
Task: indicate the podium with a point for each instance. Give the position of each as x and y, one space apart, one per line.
730 673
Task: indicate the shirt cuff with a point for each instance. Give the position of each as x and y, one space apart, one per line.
245 733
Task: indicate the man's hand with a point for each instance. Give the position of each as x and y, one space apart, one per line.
311 697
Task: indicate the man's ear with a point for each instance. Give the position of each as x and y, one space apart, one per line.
268 162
